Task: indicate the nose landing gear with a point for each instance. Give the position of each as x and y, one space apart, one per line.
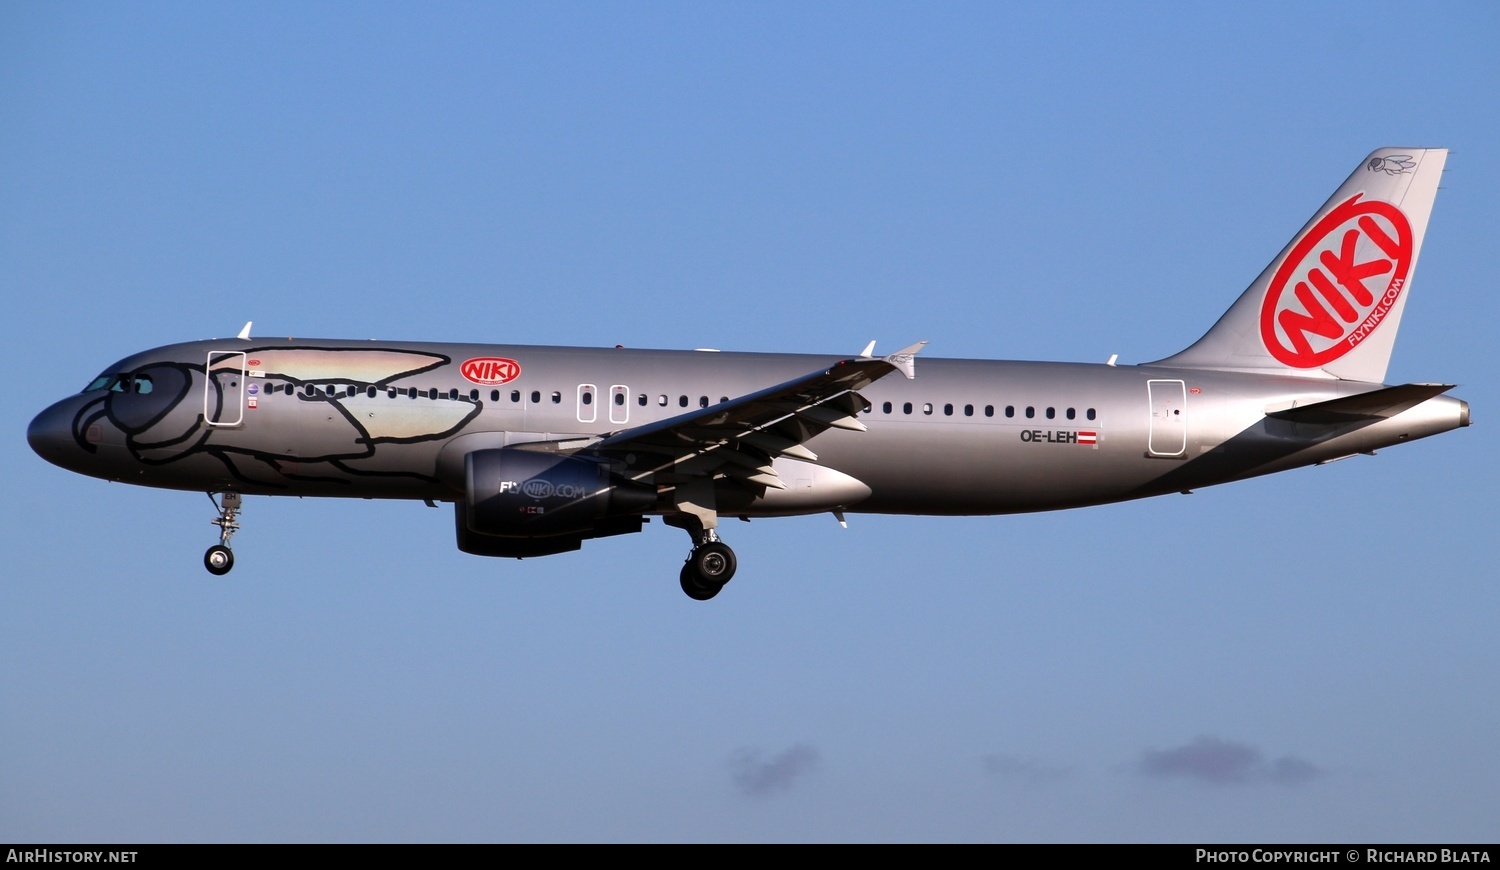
219 558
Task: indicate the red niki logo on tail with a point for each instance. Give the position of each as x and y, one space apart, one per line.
490 370
1337 284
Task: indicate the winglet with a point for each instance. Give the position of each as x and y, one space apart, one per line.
869 351
245 333
903 359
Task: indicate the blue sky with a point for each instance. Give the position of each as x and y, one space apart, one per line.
1310 656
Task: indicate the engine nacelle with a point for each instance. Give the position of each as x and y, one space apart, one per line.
515 493
470 541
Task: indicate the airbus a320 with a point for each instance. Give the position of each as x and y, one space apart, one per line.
540 449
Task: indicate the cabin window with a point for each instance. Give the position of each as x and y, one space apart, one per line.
1010 410
989 410
906 408
662 400
926 407
682 401
536 397
586 397
723 399
641 400
390 393
1051 413
968 410
432 393
886 407
620 399
1072 413
370 392
703 401
1089 413
948 410
473 395
494 395
1030 412
556 397
515 395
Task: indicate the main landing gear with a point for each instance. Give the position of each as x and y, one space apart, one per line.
219 558
711 564
708 567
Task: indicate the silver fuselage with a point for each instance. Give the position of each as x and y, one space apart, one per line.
394 420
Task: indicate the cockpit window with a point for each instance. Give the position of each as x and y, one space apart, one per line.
121 383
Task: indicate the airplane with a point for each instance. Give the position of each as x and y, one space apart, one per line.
539 449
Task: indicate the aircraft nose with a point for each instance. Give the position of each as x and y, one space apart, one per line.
51 435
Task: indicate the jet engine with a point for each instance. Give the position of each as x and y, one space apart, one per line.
514 497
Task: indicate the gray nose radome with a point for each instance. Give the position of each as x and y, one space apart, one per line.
51 435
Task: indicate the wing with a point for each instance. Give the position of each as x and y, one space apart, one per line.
739 438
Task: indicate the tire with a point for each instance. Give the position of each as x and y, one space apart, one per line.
714 563
692 587
218 560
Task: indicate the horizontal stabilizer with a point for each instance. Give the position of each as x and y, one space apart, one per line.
1376 404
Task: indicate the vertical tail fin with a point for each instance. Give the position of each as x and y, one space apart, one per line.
1330 303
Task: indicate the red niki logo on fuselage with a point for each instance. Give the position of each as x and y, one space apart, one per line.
1338 283
490 370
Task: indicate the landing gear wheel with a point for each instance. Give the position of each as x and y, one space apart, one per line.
693 587
712 564
218 560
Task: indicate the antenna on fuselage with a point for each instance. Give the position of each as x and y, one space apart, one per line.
245 333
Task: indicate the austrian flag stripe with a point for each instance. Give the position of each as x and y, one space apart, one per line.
1087 437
